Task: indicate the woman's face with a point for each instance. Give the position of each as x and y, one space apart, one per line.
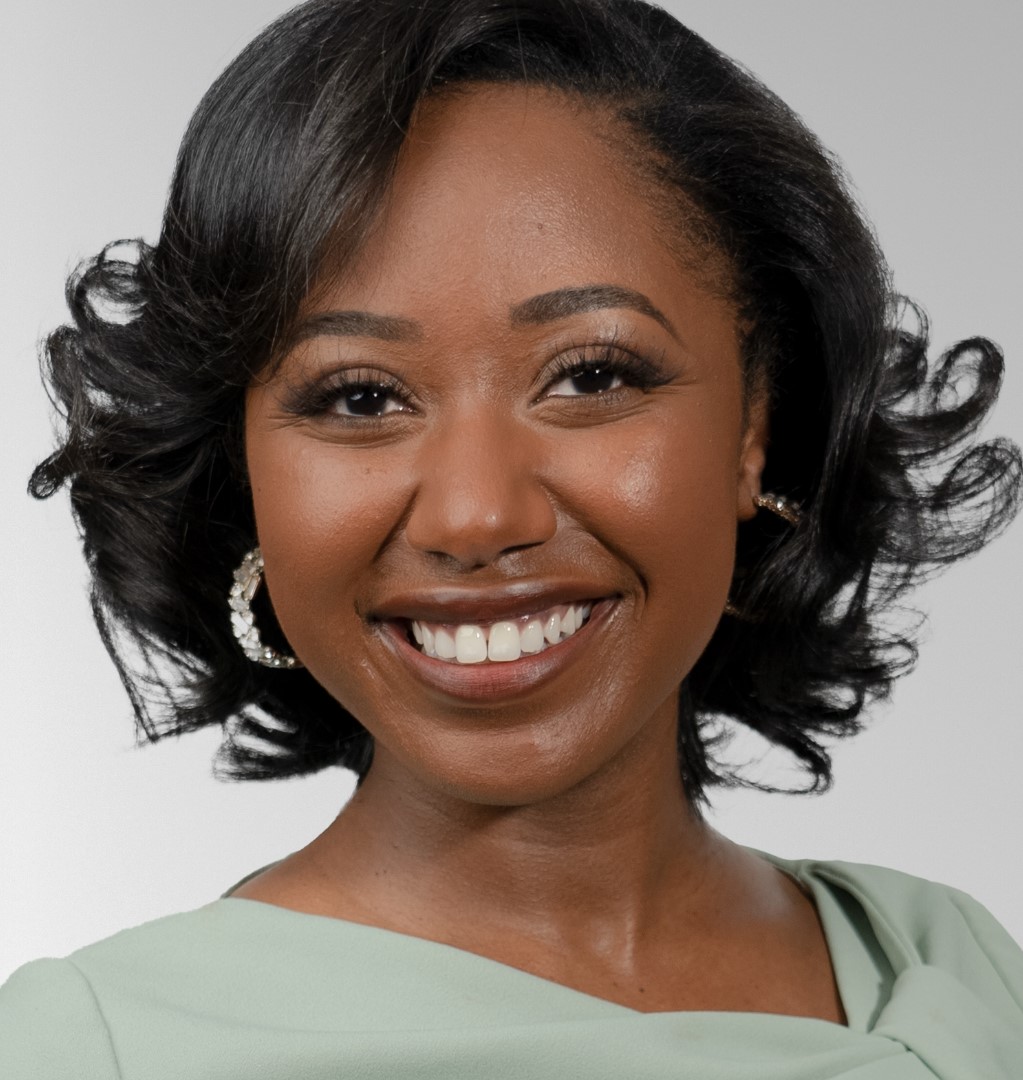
516 410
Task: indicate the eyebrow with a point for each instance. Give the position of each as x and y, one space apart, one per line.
547 307
561 303
357 324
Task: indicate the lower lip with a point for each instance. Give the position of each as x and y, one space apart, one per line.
495 679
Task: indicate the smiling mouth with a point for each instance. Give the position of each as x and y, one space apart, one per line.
503 641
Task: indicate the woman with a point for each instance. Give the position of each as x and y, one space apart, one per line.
562 412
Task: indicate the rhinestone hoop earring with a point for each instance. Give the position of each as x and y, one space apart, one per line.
247 579
787 509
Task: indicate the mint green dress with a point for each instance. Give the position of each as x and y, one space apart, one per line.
240 990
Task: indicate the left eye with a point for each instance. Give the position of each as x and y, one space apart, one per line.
587 379
366 399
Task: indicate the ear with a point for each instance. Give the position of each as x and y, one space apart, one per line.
753 452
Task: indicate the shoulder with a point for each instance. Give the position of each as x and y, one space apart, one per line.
170 958
66 1017
918 921
213 984
927 916
52 1027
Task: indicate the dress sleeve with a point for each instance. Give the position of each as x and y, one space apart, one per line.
51 1027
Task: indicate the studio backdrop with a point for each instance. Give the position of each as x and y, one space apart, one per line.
920 99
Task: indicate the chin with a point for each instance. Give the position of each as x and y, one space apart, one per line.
502 772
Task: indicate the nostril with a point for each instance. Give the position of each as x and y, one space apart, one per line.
471 514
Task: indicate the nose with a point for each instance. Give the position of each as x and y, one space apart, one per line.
479 493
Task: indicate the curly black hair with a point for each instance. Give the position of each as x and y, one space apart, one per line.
282 168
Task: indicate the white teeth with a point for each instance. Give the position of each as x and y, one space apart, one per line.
503 641
470 645
443 643
531 639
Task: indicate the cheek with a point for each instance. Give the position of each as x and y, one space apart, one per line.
664 502
322 517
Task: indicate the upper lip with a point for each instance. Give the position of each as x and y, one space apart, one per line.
450 604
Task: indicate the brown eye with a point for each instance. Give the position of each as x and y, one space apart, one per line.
587 379
366 400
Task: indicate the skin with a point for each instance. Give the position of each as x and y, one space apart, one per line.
545 828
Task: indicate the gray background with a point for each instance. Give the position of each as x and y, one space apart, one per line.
921 100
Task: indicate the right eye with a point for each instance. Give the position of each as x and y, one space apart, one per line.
364 399
349 396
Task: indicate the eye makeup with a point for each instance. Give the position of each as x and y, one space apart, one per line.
590 370
353 393
594 370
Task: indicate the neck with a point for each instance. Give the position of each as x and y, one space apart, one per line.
612 886
613 854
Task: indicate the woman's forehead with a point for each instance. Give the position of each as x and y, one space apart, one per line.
504 193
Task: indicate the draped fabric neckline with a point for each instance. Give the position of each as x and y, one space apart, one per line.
835 928
898 1006
932 987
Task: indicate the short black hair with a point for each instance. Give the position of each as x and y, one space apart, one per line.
282 168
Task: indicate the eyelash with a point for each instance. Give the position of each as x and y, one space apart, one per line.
318 397
636 370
